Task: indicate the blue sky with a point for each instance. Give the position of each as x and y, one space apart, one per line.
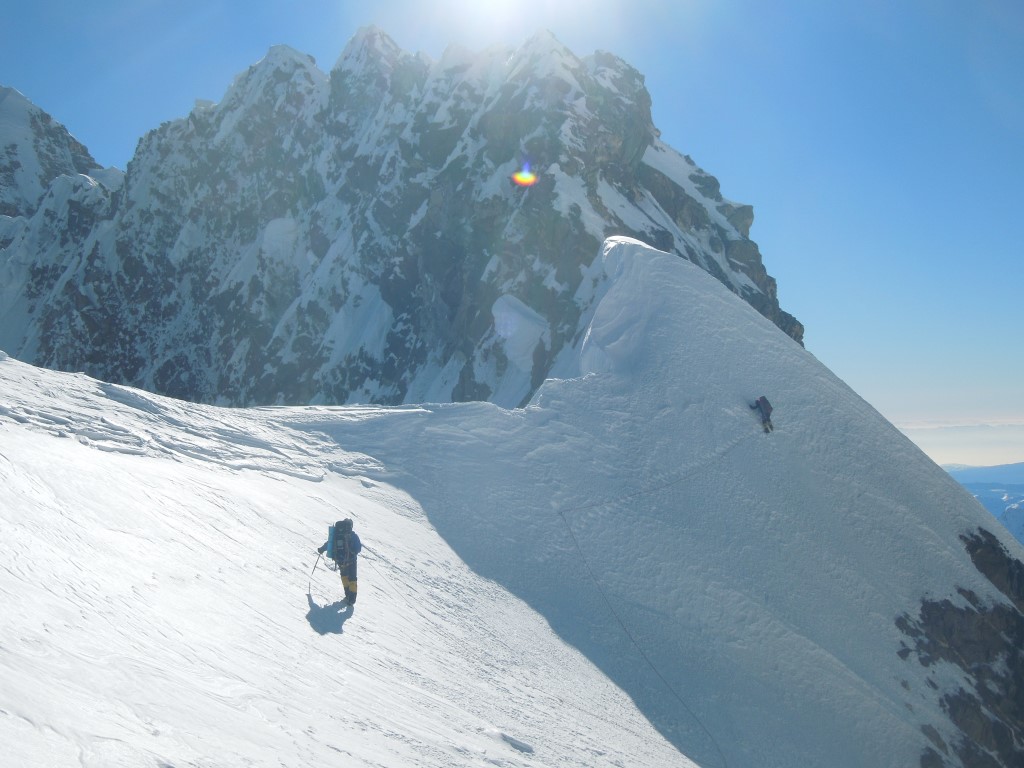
881 145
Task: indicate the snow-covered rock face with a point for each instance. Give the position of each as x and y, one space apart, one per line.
34 150
983 641
346 237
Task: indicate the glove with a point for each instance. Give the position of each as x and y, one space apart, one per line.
322 549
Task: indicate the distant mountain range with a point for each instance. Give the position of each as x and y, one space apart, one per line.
1000 490
353 236
1003 473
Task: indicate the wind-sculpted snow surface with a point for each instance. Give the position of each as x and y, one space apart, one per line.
542 585
160 609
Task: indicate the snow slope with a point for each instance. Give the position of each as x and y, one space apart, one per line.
543 585
157 560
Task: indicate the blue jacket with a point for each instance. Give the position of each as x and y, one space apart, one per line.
347 549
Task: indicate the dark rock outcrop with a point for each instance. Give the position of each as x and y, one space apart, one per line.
985 642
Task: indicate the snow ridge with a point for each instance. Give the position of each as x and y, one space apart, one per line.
624 571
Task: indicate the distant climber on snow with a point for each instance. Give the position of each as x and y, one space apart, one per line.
765 408
343 547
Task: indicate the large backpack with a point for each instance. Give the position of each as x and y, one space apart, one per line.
336 540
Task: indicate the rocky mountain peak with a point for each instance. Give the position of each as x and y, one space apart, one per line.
542 50
357 236
369 47
621 76
283 73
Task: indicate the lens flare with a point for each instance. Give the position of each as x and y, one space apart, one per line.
525 177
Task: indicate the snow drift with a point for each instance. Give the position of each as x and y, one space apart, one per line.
543 585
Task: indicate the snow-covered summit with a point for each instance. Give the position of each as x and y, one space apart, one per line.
543 56
369 46
283 75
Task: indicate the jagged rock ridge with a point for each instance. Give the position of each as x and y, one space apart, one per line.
355 236
34 150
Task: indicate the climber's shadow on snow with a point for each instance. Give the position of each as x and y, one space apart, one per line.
328 619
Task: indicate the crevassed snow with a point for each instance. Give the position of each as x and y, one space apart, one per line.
541 585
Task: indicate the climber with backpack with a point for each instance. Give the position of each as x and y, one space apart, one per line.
343 547
765 408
